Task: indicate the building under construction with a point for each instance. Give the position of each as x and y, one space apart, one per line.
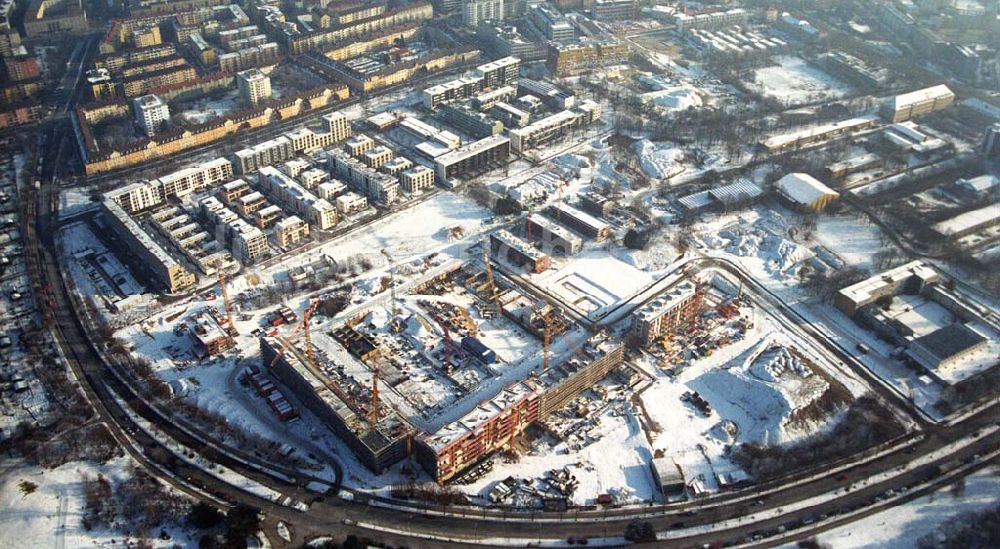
674 308
563 382
505 245
379 439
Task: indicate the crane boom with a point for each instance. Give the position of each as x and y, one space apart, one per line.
230 326
287 340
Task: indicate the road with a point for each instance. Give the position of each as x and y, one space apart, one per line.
115 400
328 515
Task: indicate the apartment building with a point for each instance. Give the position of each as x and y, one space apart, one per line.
909 105
358 145
380 188
339 126
674 309
151 114
376 157
470 121
290 231
477 11
139 196
167 271
416 179
254 56
586 54
396 165
614 10
479 155
495 74
544 131
254 86
268 215
295 198
351 202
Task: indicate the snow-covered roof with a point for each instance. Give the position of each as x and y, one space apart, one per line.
979 184
905 100
804 188
969 221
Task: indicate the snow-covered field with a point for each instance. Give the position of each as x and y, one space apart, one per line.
906 524
793 81
52 515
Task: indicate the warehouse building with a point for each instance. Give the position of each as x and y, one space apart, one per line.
910 278
804 192
944 348
968 222
724 198
909 105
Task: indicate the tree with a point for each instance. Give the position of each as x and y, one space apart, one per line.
203 515
636 239
242 521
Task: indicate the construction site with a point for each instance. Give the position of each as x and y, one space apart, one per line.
448 372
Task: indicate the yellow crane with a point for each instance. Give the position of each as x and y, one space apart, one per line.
230 326
306 316
492 294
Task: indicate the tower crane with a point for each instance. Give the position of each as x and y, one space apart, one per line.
373 412
306 316
447 342
492 294
230 326
287 340
392 282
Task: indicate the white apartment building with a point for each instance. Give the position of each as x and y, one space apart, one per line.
151 113
254 86
476 11
416 179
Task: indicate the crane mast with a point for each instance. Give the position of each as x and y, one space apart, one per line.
392 283
230 326
492 294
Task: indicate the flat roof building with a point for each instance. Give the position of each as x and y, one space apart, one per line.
580 221
477 156
908 105
672 309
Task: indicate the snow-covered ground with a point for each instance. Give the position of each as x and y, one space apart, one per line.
52 515
793 81
906 524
